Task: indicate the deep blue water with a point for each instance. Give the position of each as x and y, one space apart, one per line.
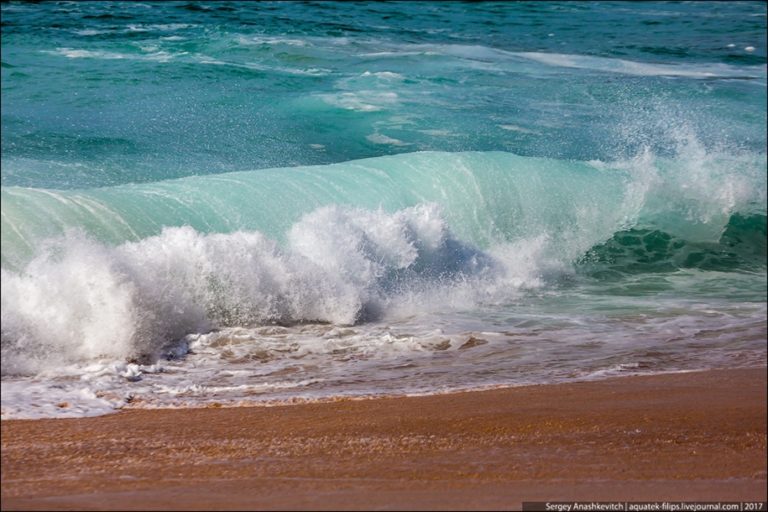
103 93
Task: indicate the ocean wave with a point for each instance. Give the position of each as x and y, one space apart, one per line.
82 300
120 272
487 198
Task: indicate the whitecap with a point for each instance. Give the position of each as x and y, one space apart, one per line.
515 128
628 67
388 75
378 138
362 101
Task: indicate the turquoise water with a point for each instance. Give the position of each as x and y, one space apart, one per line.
308 199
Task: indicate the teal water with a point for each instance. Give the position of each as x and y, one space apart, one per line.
306 199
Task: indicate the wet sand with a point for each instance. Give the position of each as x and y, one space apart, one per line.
690 436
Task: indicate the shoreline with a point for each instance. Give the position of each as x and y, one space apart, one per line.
675 436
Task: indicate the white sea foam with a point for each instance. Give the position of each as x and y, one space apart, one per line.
380 138
275 364
82 300
159 56
281 69
516 128
628 67
271 40
506 58
437 133
387 75
91 32
162 27
135 27
396 53
86 54
27 400
362 101
204 59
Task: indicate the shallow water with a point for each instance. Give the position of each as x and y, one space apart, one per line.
278 201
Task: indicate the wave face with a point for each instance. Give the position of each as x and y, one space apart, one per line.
487 198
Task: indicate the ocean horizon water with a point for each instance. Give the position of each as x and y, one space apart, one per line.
243 203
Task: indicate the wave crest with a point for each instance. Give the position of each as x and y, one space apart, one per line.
82 299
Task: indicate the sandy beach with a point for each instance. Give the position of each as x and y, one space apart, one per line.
688 436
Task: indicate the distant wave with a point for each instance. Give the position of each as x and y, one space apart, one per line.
704 70
628 67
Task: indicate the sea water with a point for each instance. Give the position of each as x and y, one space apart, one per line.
253 203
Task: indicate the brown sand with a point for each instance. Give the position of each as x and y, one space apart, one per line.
693 436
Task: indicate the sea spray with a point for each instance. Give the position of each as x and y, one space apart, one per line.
82 300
